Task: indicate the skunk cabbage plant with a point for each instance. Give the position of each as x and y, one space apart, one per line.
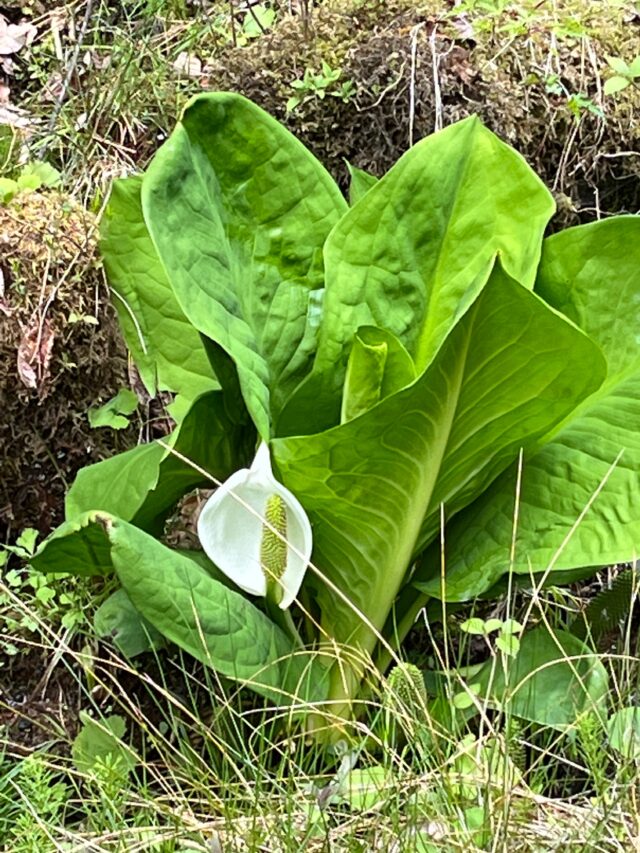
413 368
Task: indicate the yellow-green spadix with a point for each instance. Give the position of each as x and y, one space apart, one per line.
234 535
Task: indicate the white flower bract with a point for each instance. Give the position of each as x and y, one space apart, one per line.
231 527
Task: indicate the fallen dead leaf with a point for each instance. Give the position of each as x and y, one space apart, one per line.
16 117
459 63
34 353
13 37
187 64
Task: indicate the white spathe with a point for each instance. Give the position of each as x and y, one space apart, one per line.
230 528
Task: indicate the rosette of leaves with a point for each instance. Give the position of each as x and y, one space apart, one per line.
402 358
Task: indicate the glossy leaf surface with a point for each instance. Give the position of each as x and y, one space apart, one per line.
564 519
239 211
189 607
510 370
165 347
414 253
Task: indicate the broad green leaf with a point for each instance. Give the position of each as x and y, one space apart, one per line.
509 371
46 174
552 680
182 601
634 68
165 347
509 644
28 182
414 253
378 366
616 84
100 740
143 484
216 625
360 183
118 620
258 20
119 484
27 540
581 271
474 626
623 731
78 546
590 273
239 211
617 64
115 411
8 189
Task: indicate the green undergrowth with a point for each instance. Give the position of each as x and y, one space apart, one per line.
162 755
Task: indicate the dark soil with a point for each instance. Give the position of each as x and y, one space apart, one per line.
37 704
60 354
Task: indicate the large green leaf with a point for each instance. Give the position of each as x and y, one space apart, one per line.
166 348
412 255
509 371
553 679
239 211
216 625
143 484
592 273
623 732
119 484
181 600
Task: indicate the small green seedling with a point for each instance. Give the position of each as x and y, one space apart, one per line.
33 176
115 412
507 639
319 86
625 74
